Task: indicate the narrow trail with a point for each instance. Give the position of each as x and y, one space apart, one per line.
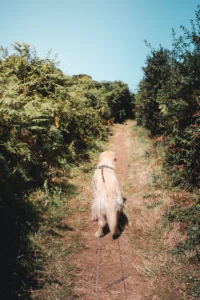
111 282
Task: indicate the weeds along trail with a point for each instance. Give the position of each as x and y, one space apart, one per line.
150 271
137 266
151 236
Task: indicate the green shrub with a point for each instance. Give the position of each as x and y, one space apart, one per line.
168 103
48 121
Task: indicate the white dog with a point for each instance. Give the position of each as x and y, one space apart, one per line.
108 201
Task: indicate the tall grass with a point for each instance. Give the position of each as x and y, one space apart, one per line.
157 233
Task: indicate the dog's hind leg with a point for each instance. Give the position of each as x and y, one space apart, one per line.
101 224
112 218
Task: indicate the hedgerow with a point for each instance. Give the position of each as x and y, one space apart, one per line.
48 121
168 102
48 118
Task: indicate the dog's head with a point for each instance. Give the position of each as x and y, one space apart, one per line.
110 155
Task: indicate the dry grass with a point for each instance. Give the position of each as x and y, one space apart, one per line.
152 236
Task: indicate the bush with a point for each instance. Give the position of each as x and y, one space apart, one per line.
168 102
48 122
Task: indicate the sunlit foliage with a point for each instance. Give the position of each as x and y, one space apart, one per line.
48 122
168 102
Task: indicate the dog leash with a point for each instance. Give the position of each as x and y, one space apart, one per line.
122 269
97 270
102 167
98 249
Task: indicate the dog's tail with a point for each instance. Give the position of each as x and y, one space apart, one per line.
112 219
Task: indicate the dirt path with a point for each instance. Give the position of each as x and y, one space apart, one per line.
140 264
118 275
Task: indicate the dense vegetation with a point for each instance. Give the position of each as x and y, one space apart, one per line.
48 121
168 102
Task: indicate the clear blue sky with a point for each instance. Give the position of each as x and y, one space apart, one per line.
101 38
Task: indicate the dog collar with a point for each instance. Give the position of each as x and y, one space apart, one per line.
105 166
